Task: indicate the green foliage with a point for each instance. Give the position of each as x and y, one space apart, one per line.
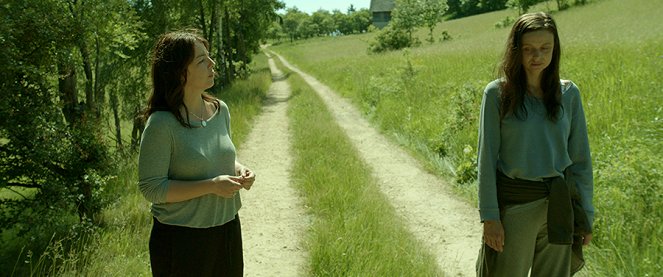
522 5
462 120
406 17
463 8
300 25
63 163
69 69
432 13
507 22
115 243
391 38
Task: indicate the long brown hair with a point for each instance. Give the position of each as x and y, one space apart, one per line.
171 56
514 85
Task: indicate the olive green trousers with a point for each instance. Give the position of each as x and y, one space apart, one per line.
526 248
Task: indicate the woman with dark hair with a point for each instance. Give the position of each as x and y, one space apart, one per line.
534 166
187 166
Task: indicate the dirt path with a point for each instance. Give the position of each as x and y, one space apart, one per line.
272 214
448 226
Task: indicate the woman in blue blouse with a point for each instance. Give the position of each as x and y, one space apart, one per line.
187 166
534 161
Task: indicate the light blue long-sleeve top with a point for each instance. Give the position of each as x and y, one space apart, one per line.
534 148
170 151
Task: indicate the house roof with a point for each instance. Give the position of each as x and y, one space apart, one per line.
382 5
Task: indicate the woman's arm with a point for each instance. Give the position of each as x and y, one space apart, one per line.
488 148
222 185
579 153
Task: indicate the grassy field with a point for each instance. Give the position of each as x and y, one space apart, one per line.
427 99
355 231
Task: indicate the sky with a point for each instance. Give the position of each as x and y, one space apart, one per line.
310 6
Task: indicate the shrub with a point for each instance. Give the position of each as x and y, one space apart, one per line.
505 23
391 39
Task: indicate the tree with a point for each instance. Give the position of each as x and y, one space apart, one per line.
71 67
491 5
322 19
275 32
342 22
432 13
562 4
407 16
522 5
292 19
52 143
462 8
360 20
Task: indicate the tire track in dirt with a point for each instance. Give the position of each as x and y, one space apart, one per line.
272 214
448 226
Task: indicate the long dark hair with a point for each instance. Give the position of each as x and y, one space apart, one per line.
514 85
171 56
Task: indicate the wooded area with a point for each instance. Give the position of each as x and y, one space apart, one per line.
72 69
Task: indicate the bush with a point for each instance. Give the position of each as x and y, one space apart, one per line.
445 36
390 39
505 23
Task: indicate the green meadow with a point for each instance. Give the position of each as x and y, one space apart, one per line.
427 99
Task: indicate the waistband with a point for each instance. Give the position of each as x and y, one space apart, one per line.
560 215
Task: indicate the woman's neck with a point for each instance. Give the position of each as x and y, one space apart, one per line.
194 103
534 86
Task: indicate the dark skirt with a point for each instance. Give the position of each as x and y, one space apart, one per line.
184 251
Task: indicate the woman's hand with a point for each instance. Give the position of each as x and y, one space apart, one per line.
247 177
493 234
226 186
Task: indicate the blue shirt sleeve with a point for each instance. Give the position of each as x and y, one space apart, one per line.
578 149
154 159
488 150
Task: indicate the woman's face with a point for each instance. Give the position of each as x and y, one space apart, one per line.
537 50
200 72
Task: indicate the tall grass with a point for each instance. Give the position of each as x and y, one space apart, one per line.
355 231
427 99
119 246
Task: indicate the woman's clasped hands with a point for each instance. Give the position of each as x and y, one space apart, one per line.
226 186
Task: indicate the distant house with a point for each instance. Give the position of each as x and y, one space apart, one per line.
381 11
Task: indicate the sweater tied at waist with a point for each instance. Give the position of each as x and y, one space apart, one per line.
564 210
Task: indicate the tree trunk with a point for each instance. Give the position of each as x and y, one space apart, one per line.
87 68
431 28
212 26
99 82
116 116
219 45
228 62
68 94
202 22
